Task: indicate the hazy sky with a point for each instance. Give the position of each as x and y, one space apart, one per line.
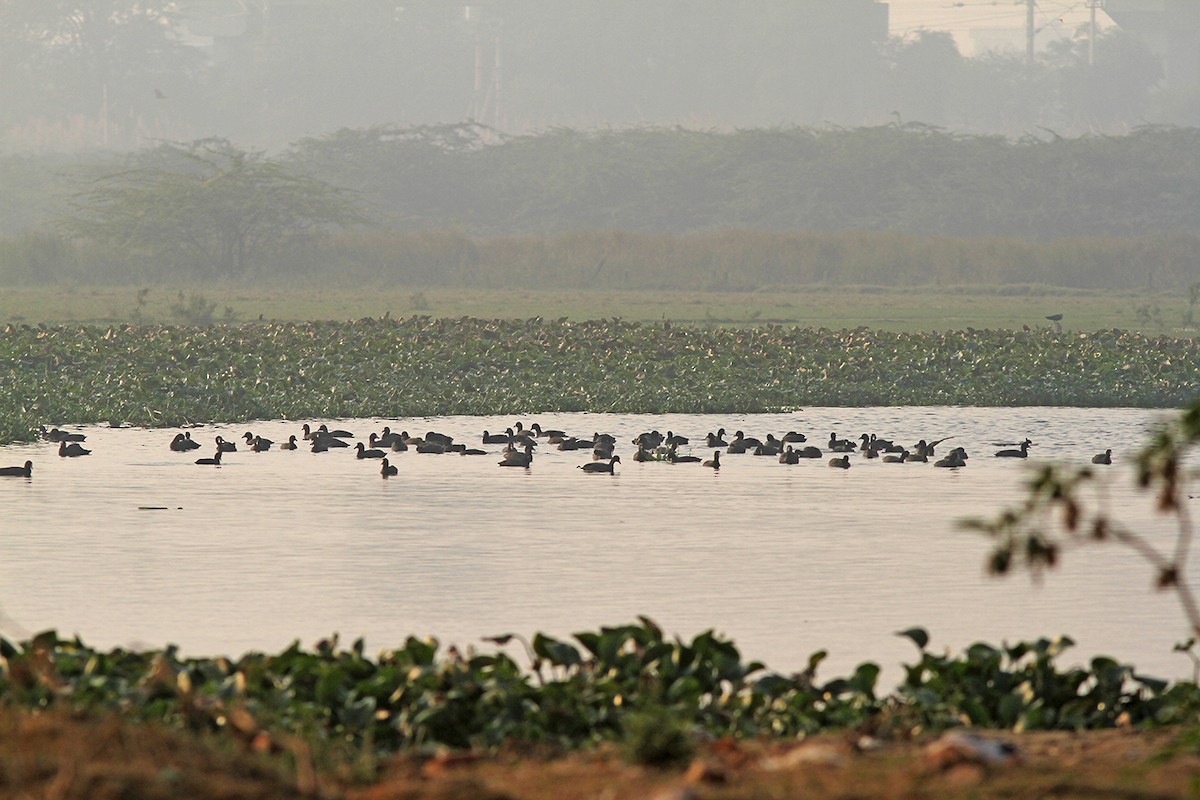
964 17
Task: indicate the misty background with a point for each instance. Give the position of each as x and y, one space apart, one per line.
429 141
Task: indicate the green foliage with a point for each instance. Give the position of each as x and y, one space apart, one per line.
628 684
1019 687
168 376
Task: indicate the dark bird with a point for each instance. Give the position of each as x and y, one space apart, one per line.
290 444
226 447
840 463
71 449
18 472
363 452
251 438
1054 317
1102 458
260 445
714 462
216 459
1021 453
518 458
388 469
957 458
600 466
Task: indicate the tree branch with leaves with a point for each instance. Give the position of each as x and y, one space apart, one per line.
1055 516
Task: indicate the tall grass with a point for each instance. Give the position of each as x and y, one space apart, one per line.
723 261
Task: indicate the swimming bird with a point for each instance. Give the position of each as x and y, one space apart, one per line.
793 436
841 445
290 444
551 434
896 459
518 458
216 459
840 463
674 457
18 472
388 470
600 466
189 443
714 462
58 435
340 434
957 458
226 447
717 439
789 456
1022 453
809 451
178 444
260 445
497 438
251 439
66 448
363 452
1103 458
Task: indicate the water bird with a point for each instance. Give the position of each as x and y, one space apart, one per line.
674 457
840 463
837 445
600 466
59 435
714 462
518 458
1023 452
179 443
216 459
550 434
809 451
18 472
71 449
497 438
896 459
340 434
789 456
226 447
717 439
957 458
388 469
251 439
260 445
794 437
363 452
290 444
1103 458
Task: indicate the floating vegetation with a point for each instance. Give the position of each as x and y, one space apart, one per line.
420 366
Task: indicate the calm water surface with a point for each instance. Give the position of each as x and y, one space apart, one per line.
277 546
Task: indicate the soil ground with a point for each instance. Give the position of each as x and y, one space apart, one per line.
64 757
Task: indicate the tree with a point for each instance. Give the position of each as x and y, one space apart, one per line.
1055 517
207 206
118 64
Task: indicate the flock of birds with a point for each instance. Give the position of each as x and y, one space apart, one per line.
519 444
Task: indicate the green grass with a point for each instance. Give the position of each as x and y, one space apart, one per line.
898 310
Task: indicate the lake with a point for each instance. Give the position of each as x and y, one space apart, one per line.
137 546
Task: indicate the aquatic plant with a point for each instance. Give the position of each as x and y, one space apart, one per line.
420 366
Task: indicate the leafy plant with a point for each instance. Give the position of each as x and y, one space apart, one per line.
1056 516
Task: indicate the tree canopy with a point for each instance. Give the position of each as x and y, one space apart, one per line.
207 204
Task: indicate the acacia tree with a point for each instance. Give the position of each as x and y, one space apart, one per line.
207 207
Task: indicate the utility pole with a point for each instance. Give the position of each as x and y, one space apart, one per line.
1030 30
1092 6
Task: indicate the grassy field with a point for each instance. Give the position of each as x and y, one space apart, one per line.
884 309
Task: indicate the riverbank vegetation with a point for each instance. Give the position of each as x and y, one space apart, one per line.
420 366
465 207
